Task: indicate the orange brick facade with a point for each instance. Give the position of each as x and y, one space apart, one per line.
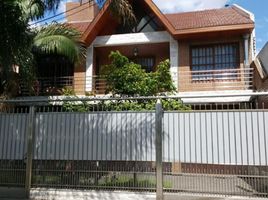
79 79
77 12
161 52
185 83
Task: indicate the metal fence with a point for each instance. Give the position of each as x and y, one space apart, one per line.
217 151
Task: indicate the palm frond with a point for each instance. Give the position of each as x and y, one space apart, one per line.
34 9
124 10
59 39
51 5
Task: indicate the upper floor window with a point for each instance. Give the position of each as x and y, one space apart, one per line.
215 62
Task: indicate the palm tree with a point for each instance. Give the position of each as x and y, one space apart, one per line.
59 39
16 37
123 9
18 42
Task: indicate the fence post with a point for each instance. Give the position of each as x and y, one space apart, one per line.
158 146
29 159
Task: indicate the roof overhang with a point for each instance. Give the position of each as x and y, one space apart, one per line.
216 30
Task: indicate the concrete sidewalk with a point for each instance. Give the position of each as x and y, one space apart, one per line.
71 194
63 194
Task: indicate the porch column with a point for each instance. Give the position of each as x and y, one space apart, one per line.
174 60
246 61
246 50
89 69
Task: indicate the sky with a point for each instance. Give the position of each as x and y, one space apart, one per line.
258 7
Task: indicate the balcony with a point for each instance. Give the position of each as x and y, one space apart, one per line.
46 86
215 80
53 86
188 81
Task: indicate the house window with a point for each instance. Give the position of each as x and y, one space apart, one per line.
147 63
215 62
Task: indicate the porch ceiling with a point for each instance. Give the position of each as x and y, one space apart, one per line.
132 38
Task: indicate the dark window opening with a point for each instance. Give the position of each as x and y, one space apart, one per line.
215 62
145 23
53 73
147 63
54 66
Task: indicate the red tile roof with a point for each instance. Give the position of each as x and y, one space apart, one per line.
209 18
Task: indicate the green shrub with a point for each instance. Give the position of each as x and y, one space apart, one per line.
129 79
123 105
125 78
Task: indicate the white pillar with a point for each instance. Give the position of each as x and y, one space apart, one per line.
174 60
246 49
89 69
246 61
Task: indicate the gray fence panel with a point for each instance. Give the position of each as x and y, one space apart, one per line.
95 136
13 136
232 138
235 138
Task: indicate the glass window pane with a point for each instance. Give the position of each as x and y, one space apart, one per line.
217 57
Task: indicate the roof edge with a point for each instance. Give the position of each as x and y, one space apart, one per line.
251 15
79 21
94 21
260 69
155 9
215 29
169 27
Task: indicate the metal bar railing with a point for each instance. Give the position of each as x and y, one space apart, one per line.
47 86
213 80
188 81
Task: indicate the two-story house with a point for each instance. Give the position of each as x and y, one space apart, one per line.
210 51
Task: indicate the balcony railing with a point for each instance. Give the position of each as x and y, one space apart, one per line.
48 86
211 80
188 81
